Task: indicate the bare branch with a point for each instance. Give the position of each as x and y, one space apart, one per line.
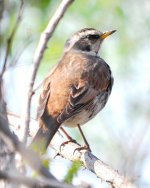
89 160
11 37
7 157
1 8
45 36
32 182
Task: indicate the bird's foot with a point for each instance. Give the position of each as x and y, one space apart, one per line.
68 141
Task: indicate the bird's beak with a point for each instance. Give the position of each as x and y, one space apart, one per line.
106 34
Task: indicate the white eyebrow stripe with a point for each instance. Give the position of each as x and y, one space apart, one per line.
88 32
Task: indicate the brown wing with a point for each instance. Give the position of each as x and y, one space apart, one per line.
96 79
45 92
80 98
43 100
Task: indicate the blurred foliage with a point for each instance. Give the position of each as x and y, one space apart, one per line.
122 135
72 171
46 162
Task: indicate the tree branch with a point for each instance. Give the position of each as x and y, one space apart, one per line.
89 160
12 35
31 157
45 36
31 182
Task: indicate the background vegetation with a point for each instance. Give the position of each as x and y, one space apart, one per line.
120 134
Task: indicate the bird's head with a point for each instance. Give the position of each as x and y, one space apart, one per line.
88 40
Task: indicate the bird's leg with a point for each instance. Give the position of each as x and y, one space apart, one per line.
70 139
65 132
86 146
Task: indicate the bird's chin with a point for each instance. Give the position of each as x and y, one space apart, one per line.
92 53
97 53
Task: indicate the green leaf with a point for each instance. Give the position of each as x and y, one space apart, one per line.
46 163
72 172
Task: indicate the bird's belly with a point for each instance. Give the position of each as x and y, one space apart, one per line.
88 113
80 119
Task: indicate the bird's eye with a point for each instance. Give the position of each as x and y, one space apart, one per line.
93 37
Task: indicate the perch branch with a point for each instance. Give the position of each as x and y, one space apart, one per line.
91 162
45 36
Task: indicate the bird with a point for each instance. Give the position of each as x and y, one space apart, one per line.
76 90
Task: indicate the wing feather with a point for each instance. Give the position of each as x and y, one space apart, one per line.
96 80
80 98
43 99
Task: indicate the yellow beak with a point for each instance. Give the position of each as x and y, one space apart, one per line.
106 34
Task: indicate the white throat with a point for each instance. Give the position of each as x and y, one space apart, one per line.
87 52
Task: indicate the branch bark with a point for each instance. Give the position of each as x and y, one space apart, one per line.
89 160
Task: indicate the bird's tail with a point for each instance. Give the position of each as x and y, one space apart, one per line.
43 137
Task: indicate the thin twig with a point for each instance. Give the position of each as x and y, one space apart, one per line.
1 8
12 35
45 36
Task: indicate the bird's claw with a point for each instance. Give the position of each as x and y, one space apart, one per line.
68 141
